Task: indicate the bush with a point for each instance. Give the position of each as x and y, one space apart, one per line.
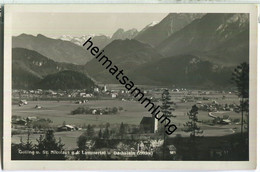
87 110
41 123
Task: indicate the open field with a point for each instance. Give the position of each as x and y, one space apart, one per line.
60 111
132 113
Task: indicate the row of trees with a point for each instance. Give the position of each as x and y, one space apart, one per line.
42 150
87 110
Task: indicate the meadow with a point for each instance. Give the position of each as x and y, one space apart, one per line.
132 113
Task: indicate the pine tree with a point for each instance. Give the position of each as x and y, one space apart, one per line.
194 129
90 131
122 130
40 145
240 77
48 143
166 110
106 133
100 135
81 143
191 125
29 146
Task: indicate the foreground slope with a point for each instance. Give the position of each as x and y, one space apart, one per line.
65 80
29 67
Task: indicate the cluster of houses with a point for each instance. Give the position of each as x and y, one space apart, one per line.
225 120
81 101
149 145
141 145
52 93
214 106
23 121
77 93
83 93
96 111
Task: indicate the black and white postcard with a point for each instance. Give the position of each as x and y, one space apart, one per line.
127 86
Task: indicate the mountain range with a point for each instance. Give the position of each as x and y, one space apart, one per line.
189 50
214 36
55 49
126 54
101 40
173 22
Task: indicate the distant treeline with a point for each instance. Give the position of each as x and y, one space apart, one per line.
96 111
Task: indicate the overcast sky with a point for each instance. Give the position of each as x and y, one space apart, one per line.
78 24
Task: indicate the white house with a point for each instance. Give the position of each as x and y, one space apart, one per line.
113 95
96 89
105 88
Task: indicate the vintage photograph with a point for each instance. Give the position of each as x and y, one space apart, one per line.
146 86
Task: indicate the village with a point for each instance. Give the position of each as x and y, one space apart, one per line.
102 112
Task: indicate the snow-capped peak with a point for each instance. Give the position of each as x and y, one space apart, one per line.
150 25
153 23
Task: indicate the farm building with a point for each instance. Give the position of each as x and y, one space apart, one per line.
66 128
113 95
23 102
82 94
96 89
31 118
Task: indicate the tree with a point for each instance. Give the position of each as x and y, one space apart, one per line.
240 77
41 124
40 145
100 135
106 133
192 127
49 144
166 110
90 131
107 124
81 143
122 130
29 146
114 110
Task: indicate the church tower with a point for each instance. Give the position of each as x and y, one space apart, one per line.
155 124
